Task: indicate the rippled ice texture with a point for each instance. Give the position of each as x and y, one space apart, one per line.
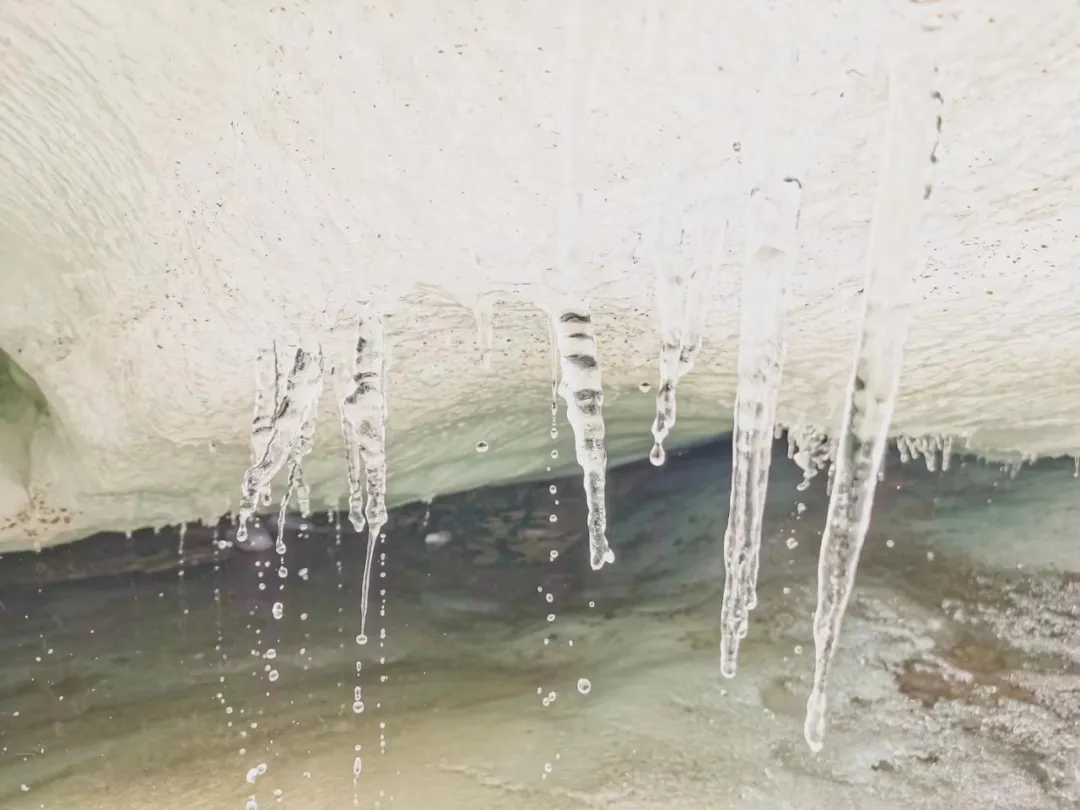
954 682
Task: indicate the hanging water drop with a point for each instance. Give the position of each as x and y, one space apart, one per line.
774 217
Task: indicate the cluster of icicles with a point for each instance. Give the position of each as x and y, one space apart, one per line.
287 397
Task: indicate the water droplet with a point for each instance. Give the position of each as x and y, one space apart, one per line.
550 597
584 685
358 707
554 555
361 639
273 675
553 489
481 447
554 453
645 387
553 518
278 610
792 543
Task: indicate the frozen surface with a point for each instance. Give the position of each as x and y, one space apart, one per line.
245 171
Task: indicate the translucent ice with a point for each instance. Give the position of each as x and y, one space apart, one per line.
770 249
363 425
914 123
581 387
679 282
296 407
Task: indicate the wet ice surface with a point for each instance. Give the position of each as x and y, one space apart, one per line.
955 683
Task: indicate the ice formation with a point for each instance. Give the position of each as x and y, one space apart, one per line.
267 397
812 449
288 440
770 248
679 282
363 426
913 129
581 387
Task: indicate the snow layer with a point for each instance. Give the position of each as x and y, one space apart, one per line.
181 184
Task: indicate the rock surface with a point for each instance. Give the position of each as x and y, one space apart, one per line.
182 184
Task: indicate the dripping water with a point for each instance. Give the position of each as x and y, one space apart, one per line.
363 423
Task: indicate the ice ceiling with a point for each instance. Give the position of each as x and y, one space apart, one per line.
182 184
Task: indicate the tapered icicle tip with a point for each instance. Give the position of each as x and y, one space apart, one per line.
599 556
657 455
814 725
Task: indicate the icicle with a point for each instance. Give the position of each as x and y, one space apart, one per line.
774 216
914 125
363 424
296 407
267 398
946 453
679 283
582 389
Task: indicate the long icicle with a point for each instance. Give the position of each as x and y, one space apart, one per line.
770 252
363 423
913 130
584 394
296 407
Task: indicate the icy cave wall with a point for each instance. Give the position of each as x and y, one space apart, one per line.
179 186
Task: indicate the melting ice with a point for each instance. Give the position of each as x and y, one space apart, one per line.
363 426
678 302
582 389
289 434
914 124
770 249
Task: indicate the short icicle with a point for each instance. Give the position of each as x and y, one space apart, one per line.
679 307
363 425
296 407
581 388
914 124
770 252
